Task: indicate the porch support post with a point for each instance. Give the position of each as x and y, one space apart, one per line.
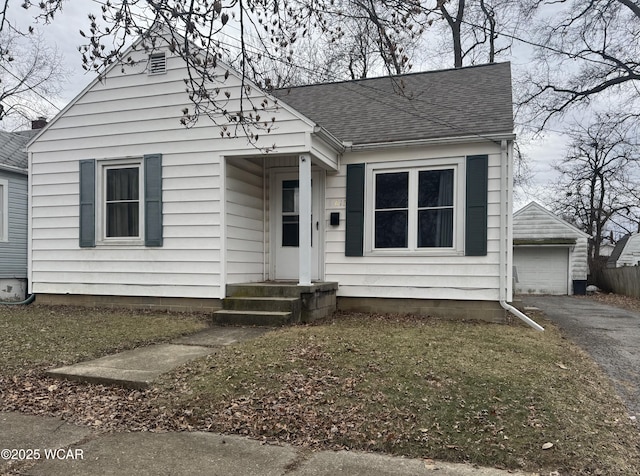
304 273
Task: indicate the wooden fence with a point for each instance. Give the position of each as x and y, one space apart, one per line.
625 280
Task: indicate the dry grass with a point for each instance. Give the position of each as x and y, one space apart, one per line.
40 336
617 300
487 394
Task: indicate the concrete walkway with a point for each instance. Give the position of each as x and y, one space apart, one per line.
57 448
138 368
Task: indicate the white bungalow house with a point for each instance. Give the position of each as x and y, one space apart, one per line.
394 193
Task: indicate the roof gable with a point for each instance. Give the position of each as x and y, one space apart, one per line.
12 148
617 251
473 101
534 211
164 45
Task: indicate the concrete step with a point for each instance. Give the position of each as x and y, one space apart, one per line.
276 289
252 318
283 304
262 290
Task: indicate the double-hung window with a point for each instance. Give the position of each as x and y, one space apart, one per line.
121 201
414 209
432 206
122 211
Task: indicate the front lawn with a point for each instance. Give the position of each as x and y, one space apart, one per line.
487 394
494 395
42 336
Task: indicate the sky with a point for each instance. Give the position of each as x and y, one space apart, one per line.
64 32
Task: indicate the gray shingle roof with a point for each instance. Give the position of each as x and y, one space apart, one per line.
12 148
438 104
617 251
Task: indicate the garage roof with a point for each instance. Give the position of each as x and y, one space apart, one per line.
534 223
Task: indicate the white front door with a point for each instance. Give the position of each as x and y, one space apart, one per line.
285 230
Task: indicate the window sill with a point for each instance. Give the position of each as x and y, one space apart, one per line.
121 243
426 253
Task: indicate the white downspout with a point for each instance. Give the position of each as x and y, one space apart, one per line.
505 229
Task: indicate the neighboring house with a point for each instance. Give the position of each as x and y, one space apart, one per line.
549 254
397 189
13 214
626 252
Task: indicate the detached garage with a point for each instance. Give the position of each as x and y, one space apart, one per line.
549 254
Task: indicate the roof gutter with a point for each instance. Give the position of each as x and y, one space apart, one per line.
498 138
505 242
11 168
329 138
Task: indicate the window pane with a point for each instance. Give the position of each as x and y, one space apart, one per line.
122 219
435 188
391 229
435 228
290 196
290 231
122 184
392 190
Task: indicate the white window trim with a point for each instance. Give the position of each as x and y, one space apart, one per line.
458 165
101 208
4 224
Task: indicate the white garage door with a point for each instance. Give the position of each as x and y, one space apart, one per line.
541 270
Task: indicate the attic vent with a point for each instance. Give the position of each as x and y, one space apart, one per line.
157 63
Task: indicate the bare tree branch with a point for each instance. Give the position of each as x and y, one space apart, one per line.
588 48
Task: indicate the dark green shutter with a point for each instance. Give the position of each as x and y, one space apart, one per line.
355 210
476 213
87 203
153 200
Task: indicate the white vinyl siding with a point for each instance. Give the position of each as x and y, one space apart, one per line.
432 274
130 115
245 252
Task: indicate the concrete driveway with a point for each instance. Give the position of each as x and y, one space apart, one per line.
609 334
